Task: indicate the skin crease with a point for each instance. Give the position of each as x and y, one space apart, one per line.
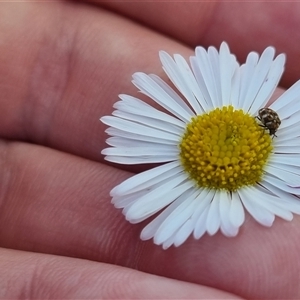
62 66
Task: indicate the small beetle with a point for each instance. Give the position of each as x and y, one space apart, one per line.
269 119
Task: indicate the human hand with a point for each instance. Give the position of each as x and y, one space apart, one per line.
62 66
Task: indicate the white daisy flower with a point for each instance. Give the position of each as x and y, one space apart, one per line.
222 155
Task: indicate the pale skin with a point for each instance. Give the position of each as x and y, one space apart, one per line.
62 66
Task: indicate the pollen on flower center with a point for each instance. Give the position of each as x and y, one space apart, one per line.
225 149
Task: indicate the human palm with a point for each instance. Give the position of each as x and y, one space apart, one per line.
62 65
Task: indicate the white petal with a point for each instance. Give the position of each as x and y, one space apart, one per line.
203 199
281 184
270 81
235 91
140 160
157 199
214 59
149 231
152 122
138 137
292 132
146 179
293 142
142 151
226 71
175 220
286 139
287 149
200 81
271 203
137 128
171 92
227 228
247 71
139 107
278 211
192 85
289 178
152 183
291 159
183 233
169 242
236 212
288 201
125 200
260 214
259 75
182 77
200 227
289 168
203 63
290 110
292 120
199 217
291 96
150 88
213 220
117 141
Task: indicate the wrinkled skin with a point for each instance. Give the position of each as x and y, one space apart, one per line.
62 65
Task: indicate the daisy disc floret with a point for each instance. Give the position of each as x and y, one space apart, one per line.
224 149
217 156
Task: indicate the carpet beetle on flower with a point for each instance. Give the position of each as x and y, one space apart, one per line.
269 119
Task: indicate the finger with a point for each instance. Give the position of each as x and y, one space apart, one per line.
38 276
68 72
56 203
55 87
195 17
246 26
39 244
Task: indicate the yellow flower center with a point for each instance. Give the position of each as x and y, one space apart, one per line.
225 149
